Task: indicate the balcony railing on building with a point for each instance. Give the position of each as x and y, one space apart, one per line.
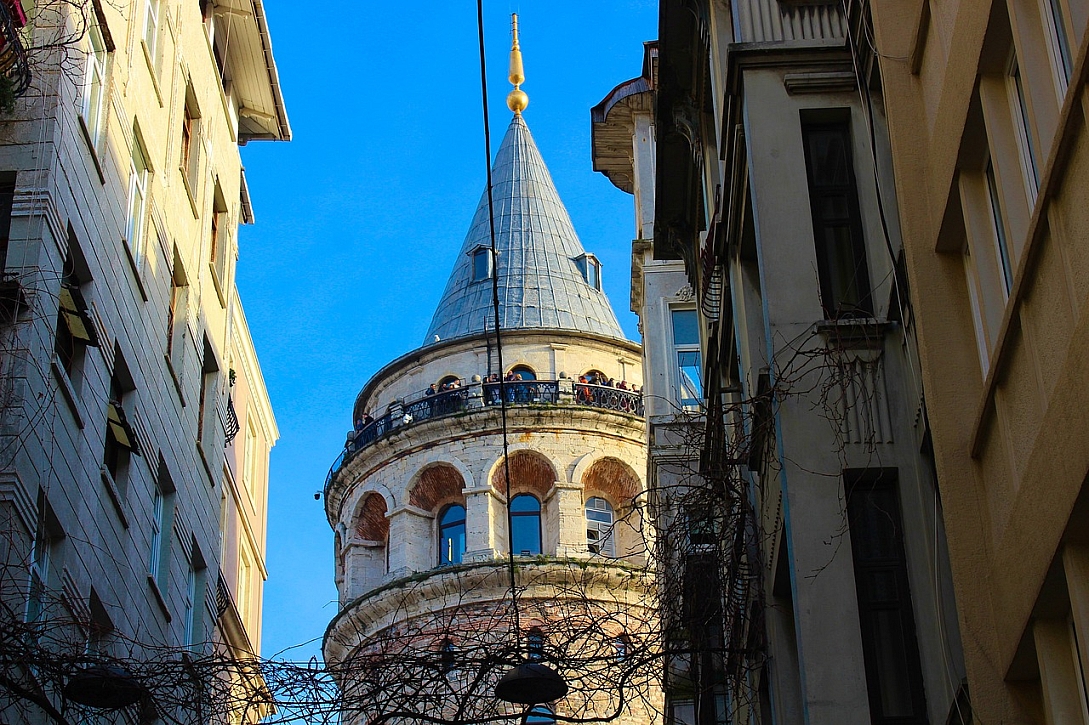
480 396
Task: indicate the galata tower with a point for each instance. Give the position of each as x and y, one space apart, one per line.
488 508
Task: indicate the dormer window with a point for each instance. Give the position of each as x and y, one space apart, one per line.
482 263
590 268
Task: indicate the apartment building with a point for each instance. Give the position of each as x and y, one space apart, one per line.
986 114
135 427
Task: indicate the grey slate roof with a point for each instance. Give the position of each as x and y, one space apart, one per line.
540 283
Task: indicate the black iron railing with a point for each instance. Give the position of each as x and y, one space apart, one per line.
523 392
603 396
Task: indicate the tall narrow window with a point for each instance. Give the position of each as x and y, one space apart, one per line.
1026 147
1058 43
219 243
121 441
535 642
525 512
137 201
75 328
206 402
890 651
452 535
151 30
686 346
244 594
837 221
45 564
94 82
195 583
599 527
7 200
177 313
1001 240
189 162
162 525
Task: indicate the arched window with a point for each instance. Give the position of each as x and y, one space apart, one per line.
535 641
447 657
525 371
596 377
525 514
451 380
599 527
452 535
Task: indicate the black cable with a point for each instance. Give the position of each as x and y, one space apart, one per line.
495 311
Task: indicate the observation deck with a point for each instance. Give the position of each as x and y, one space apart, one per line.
416 409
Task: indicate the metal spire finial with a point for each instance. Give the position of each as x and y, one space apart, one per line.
517 100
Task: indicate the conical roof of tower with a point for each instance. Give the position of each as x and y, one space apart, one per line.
541 284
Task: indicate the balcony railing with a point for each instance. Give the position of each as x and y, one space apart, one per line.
484 395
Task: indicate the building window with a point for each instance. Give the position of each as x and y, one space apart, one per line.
994 200
1058 43
448 658
219 247
162 525
591 270
94 82
249 459
686 347
837 221
535 644
207 399
452 535
7 200
1022 129
599 527
151 26
244 593
177 314
195 584
525 514
540 715
890 651
190 142
121 443
75 329
522 372
137 201
482 264
45 564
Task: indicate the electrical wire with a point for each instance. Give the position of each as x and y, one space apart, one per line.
516 627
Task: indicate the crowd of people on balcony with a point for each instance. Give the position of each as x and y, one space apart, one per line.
519 390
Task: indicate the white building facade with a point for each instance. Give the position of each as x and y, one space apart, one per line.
125 352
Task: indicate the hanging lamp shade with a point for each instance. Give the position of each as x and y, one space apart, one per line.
530 683
107 687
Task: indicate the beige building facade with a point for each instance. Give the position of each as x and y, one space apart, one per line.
133 508
986 106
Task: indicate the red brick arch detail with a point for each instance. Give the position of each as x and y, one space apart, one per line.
530 472
371 522
437 484
613 480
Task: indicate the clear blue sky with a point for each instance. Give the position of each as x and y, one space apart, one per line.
360 217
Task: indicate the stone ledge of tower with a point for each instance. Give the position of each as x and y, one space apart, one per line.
544 420
466 585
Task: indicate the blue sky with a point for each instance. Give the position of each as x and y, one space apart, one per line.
360 217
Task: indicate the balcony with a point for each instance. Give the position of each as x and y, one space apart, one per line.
479 396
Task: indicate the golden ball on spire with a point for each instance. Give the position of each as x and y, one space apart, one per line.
517 100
